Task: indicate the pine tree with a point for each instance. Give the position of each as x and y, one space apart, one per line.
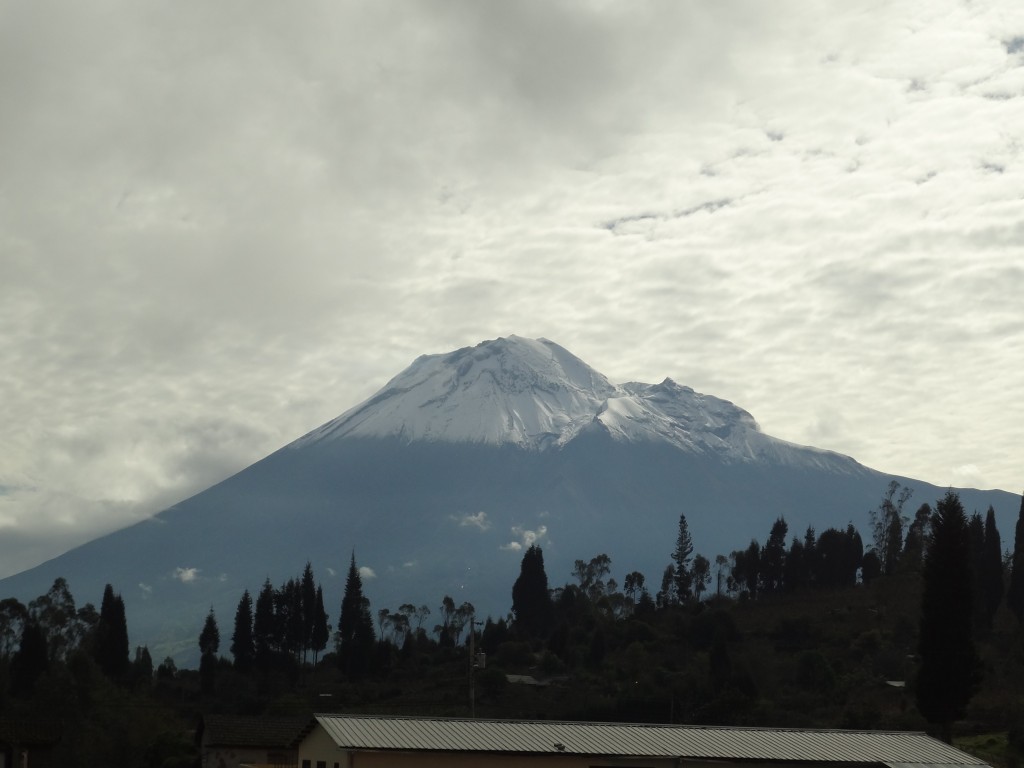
355 627
773 557
854 555
681 556
209 638
992 567
810 556
111 649
264 627
209 644
531 602
948 673
976 547
308 591
1015 594
288 617
795 572
321 629
242 647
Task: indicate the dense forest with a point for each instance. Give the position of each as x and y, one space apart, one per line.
921 627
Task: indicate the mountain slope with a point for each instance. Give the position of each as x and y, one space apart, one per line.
440 480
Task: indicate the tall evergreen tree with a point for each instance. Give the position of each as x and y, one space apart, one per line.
810 555
111 649
854 553
321 629
209 638
681 557
992 565
355 627
264 627
209 644
948 672
288 617
796 571
242 647
531 602
1015 594
773 557
976 548
308 591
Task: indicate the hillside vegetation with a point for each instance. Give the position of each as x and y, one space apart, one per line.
809 633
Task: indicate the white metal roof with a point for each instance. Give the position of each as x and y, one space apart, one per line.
892 748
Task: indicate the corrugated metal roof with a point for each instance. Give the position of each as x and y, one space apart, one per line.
639 740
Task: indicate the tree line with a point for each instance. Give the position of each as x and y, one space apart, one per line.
959 559
286 629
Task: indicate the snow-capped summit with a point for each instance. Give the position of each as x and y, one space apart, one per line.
523 392
535 394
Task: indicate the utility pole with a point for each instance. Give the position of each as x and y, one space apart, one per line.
473 664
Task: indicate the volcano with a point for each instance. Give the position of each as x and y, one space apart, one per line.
439 481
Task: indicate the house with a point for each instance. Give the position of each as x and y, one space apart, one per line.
349 741
27 742
233 741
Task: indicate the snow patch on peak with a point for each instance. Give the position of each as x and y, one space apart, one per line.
534 394
679 415
525 392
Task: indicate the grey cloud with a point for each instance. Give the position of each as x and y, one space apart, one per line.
711 206
221 229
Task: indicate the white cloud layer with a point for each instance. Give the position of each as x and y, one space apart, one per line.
186 575
479 521
220 229
525 538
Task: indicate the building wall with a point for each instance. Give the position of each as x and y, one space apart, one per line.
232 757
319 747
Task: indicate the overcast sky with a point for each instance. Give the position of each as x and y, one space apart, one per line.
224 223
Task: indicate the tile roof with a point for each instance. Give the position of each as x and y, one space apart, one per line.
29 732
640 740
253 731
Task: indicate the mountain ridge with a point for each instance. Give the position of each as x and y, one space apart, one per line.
430 515
536 394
